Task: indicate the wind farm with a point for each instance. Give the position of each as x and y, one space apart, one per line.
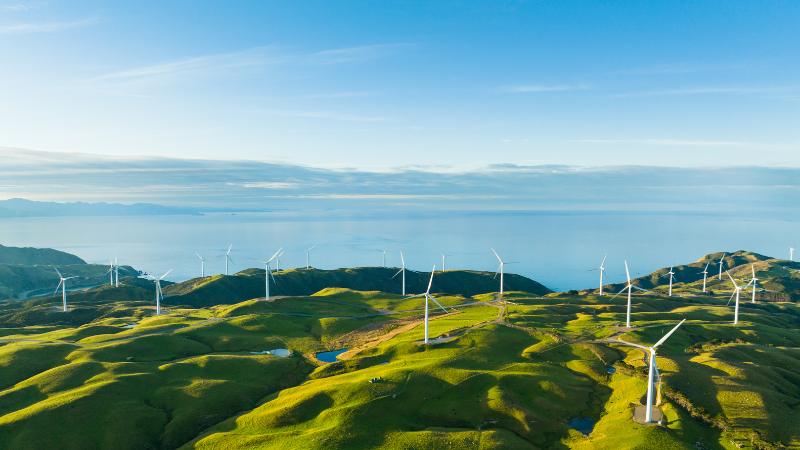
389 344
399 225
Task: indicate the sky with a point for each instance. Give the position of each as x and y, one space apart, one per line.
368 85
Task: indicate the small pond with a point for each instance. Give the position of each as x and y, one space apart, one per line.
582 424
279 352
330 356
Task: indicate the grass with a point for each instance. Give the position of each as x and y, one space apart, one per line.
502 376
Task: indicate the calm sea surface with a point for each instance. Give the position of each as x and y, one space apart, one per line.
557 249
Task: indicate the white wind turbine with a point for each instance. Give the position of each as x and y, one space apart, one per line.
736 292
754 282
116 272
278 261
500 270
671 274
308 255
63 285
629 287
402 272
705 276
159 293
428 297
110 273
602 272
444 262
228 258
791 254
652 373
721 263
202 265
268 272
383 258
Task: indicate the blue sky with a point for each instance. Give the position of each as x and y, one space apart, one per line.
375 85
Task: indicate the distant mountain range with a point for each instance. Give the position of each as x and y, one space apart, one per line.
18 207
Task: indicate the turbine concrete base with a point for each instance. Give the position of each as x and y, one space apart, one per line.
639 413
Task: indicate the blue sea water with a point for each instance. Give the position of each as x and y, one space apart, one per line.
557 249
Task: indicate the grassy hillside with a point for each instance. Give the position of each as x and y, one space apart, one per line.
249 284
498 374
779 278
28 256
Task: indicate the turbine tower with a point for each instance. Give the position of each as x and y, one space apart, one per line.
308 256
671 274
705 276
500 270
754 282
402 272
652 373
110 273
428 297
228 258
159 293
202 265
384 258
602 272
444 262
116 272
721 263
628 287
737 290
791 254
268 272
63 285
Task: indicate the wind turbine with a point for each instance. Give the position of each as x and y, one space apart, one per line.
278 261
228 258
402 271
268 272
500 270
721 263
308 256
736 292
428 297
671 274
110 273
63 285
202 265
444 262
384 257
791 254
629 287
602 272
754 282
652 373
159 293
705 276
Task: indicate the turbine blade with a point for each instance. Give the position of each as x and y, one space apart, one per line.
437 302
732 280
666 336
60 280
430 282
229 249
275 255
398 273
165 274
402 259
59 273
627 272
497 256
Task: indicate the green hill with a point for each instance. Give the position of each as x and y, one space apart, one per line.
247 284
515 373
28 256
778 278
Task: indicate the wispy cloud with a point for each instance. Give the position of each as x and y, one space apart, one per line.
541 88
355 54
253 57
345 94
670 142
682 68
714 90
327 115
44 27
19 7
